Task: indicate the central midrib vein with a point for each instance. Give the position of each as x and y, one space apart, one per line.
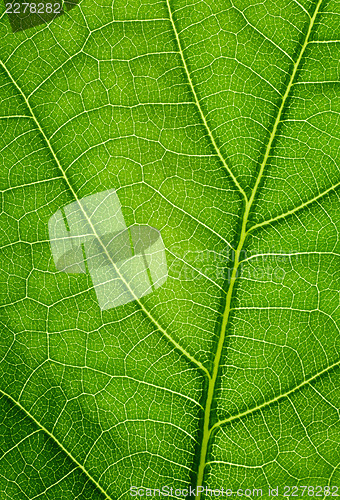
207 428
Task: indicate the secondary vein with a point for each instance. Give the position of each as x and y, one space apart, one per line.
181 349
296 209
278 398
43 428
198 105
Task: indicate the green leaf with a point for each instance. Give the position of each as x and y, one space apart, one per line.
218 125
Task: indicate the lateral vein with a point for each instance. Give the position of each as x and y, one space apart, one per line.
278 398
296 209
69 185
43 428
198 105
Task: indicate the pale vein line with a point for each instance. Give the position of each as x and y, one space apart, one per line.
306 433
13 481
141 420
277 398
17 137
55 440
15 116
275 308
56 483
240 465
294 210
283 103
224 161
201 223
127 421
302 7
128 136
321 82
200 273
19 443
141 305
42 181
144 452
197 102
260 33
326 497
326 400
177 207
122 21
324 41
139 56
292 255
127 377
307 122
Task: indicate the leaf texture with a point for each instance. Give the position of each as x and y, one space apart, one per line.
218 124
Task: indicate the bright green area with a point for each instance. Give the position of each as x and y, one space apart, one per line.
217 124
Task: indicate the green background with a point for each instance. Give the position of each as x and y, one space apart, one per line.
193 111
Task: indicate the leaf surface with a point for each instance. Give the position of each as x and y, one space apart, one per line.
217 124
